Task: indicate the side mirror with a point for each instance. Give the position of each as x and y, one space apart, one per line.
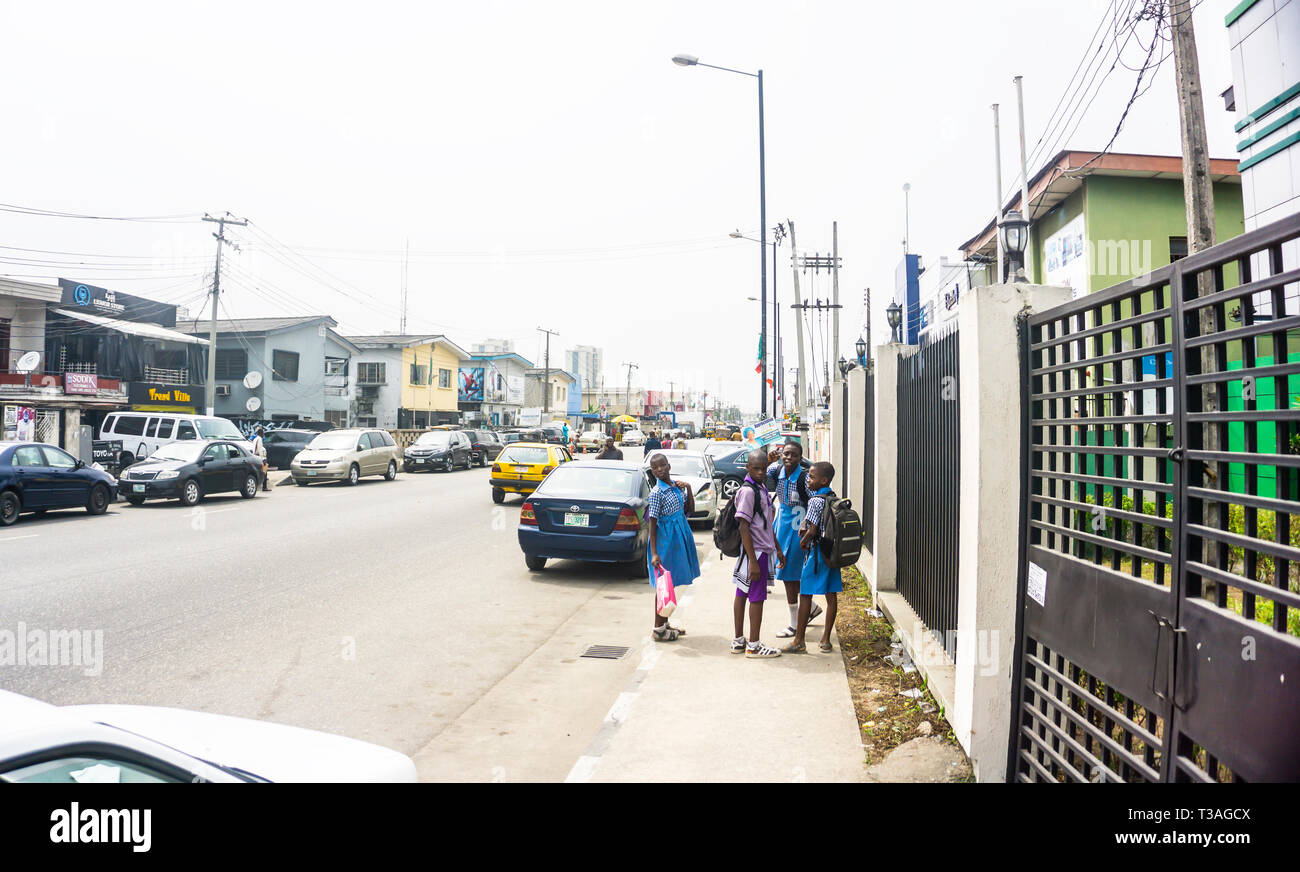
203 461
81 464
359 448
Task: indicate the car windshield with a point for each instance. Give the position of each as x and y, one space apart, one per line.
435 439
217 428
338 441
187 452
518 454
591 483
690 467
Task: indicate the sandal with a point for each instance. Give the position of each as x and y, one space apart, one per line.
787 633
678 630
792 648
816 610
738 645
825 646
664 634
761 652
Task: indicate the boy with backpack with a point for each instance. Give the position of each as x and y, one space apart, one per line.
820 573
751 509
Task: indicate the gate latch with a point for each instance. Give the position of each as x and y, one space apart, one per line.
1161 623
1176 454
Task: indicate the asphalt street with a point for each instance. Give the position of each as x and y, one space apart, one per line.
386 611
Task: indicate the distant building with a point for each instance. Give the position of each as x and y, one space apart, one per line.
587 362
492 388
564 388
407 381
941 287
493 346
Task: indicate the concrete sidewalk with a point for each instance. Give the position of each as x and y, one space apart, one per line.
693 711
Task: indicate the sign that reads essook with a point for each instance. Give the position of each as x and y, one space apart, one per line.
115 304
153 394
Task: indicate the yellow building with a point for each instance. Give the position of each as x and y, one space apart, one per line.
406 381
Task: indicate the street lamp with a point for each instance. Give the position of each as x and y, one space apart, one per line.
861 347
1013 232
845 366
685 60
894 314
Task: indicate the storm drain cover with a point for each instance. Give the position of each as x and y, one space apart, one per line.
606 652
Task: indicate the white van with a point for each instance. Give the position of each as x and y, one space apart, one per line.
143 433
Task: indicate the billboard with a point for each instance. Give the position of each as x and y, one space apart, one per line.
471 385
514 389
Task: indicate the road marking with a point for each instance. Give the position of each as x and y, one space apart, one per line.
16 538
618 711
582 770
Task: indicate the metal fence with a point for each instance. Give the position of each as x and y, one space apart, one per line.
867 511
1159 598
929 496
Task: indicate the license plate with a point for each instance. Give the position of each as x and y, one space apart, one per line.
574 520
139 488
521 469
311 472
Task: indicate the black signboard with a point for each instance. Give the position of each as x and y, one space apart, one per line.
105 452
115 304
157 395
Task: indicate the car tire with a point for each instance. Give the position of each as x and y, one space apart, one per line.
391 474
498 495
730 486
408 468
534 563
249 490
135 501
450 465
354 475
97 504
10 506
191 493
301 482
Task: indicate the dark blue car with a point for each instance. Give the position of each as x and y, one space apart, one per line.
730 468
35 477
587 510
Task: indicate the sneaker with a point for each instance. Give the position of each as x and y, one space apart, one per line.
760 651
738 645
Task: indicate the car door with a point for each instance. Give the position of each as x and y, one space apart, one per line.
366 454
465 449
71 487
241 465
37 479
214 469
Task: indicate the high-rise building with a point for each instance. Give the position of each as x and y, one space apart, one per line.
494 346
587 362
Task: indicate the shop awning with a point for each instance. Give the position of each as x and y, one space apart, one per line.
135 328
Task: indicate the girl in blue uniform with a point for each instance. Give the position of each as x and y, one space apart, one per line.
816 577
672 545
791 490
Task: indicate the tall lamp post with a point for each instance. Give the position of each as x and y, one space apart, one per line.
685 60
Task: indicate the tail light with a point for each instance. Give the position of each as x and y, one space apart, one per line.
546 470
496 467
526 515
627 520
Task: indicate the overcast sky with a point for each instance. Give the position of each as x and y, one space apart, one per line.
548 163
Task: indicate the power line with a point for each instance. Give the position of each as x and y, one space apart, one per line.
51 213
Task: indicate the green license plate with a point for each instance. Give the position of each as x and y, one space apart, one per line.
575 520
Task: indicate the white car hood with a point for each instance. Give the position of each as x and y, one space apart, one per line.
276 752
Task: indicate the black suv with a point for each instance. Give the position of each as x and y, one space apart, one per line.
484 445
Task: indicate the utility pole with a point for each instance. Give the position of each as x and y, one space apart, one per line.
1024 179
778 234
405 267
997 205
798 322
220 236
627 397
835 292
546 382
819 306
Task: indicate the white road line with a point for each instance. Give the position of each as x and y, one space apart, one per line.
649 657
618 711
582 770
16 538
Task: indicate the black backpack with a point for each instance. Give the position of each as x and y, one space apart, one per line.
840 540
726 531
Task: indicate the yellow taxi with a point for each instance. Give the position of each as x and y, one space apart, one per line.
520 468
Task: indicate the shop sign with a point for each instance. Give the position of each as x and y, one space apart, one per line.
80 383
153 394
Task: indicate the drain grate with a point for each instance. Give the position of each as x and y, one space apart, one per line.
606 652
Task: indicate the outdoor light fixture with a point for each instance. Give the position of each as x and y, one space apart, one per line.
1013 231
736 234
861 347
685 60
844 367
894 314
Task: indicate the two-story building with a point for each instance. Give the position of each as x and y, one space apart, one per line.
565 394
407 381
492 388
281 371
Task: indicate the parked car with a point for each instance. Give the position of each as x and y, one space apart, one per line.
35 477
439 449
143 433
632 437
346 455
553 433
591 441
485 445
282 446
509 436
522 466
729 468
189 471
43 743
719 449
587 510
696 469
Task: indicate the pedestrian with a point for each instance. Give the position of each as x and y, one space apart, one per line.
610 451
680 444
672 544
566 433
259 448
816 576
792 496
652 443
760 555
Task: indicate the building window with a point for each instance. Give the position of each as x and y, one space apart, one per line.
284 365
336 418
4 345
419 374
367 421
232 363
336 366
444 378
371 374
1177 248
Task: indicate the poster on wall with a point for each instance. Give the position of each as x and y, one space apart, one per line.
471 385
1065 262
515 389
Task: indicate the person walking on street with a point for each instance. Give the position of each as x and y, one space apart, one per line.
259 448
610 451
672 544
653 443
792 503
817 576
760 555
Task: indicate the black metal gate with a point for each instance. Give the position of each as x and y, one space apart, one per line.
929 473
1159 597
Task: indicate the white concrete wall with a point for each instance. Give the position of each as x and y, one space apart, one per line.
884 563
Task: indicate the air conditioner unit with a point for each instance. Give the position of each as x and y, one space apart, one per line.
223 390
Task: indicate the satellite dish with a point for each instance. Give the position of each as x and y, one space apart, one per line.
252 380
253 404
29 361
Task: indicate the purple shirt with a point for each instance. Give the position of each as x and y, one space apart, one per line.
760 530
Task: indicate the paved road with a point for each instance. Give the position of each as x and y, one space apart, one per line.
386 612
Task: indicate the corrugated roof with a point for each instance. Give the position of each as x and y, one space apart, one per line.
201 326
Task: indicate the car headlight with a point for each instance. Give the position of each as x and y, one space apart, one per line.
167 473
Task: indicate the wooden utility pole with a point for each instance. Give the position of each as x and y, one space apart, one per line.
220 236
798 322
546 382
627 397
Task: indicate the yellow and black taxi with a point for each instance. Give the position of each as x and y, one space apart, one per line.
522 466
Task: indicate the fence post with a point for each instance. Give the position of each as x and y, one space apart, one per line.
884 556
989 392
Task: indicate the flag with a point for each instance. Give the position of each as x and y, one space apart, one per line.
761 356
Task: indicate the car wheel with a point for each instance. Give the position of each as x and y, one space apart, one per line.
135 501
498 495
249 490
354 475
536 564
301 482
190 493
730 486
10 505
449 465
98 502
408 468
392 471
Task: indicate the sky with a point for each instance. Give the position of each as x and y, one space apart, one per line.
546 162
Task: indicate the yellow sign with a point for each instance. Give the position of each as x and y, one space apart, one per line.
176 395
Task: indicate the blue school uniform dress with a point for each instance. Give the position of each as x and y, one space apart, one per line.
675 541
789 515
817 576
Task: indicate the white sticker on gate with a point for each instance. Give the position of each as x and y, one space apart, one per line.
1037 586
